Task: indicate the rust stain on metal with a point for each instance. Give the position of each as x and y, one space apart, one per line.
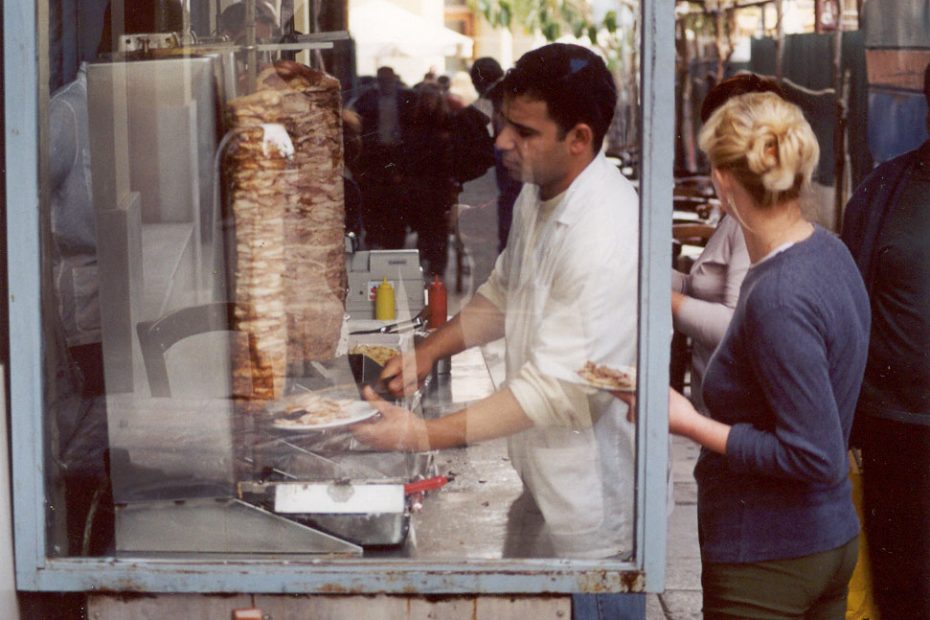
633 582
597 582
334 588
122 595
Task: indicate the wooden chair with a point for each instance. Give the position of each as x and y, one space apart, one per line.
693 234
156 337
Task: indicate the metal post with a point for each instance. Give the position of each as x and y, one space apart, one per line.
21 40
655 322
839 132
779 36
251 53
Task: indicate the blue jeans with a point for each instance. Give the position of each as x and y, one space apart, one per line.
609 606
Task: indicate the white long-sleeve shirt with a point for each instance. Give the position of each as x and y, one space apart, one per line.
567 285
72 213
712 289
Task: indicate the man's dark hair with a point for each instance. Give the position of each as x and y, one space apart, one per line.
734 86
484 73
572 81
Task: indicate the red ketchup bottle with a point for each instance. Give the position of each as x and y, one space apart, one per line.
438 303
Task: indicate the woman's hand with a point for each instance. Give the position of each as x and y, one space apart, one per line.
394 429
683 418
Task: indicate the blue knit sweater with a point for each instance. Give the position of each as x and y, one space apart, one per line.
786 377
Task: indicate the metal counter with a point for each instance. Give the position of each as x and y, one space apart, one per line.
184 470
470 516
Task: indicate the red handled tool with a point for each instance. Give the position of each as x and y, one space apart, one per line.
427 484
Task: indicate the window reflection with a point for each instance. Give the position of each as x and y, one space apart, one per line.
242 237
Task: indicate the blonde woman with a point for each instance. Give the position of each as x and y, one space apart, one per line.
777 527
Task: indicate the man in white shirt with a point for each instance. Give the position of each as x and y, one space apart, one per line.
563 292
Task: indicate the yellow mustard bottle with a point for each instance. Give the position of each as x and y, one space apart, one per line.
384 302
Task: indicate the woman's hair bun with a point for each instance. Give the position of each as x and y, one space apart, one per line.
766 142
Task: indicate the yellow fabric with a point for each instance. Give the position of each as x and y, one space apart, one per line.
861 604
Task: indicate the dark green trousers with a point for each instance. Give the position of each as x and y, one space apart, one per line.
813 587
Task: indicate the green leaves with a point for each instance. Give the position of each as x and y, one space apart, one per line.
551 18
610 22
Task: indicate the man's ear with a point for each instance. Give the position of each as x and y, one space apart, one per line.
581 138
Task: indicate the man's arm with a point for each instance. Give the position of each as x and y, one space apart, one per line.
479 322
498 415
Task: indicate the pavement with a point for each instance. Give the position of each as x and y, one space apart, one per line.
681 599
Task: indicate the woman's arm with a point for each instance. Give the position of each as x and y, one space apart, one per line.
789 360
721 267
684 420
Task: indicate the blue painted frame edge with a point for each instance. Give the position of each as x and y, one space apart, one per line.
657 61
35 571
21 91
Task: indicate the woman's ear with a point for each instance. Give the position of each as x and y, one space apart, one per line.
720 180
717 178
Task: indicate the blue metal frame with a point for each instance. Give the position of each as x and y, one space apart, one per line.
657 141
37 571
21 101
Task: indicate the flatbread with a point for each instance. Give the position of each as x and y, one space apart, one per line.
310 410
380 354
606 378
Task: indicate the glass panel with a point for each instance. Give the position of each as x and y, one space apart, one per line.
247 223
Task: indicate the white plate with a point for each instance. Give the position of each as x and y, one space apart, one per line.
630 370
356 411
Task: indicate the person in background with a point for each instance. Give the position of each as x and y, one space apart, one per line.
485 73
886 227
352 150
430 184
473 140
81 427
428 78
777 527
454 101
385 112
73 220
703 299
575 229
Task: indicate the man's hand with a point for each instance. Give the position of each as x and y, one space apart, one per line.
395 429
630 399
403 374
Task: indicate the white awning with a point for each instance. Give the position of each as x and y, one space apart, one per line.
385 29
